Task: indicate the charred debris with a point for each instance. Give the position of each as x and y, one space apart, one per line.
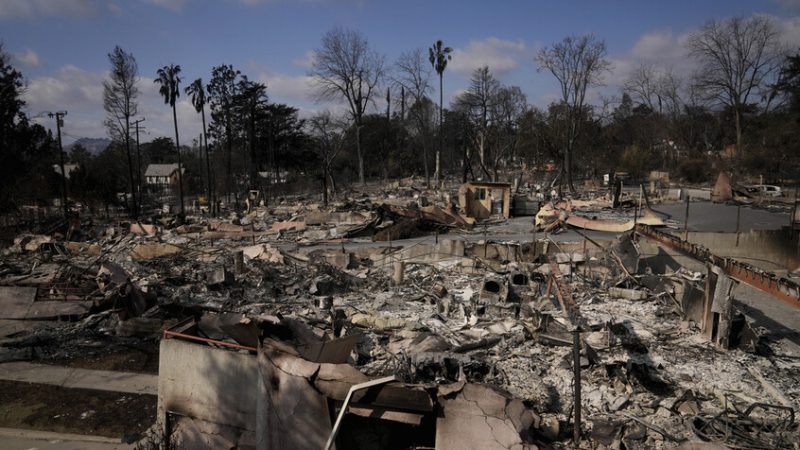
396 320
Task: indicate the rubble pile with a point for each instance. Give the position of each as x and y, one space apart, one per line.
483 330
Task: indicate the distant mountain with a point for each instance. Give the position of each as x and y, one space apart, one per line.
95 146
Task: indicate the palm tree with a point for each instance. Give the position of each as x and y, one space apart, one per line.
438 56
198 93
169 80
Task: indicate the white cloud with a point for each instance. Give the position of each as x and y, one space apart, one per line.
80 93
287 88
662 49
659 45
172 5
666 51
500 55
789 31
28 58
69 88
306 61
13 9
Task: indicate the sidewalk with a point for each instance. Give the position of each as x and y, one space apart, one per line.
18 439
68 377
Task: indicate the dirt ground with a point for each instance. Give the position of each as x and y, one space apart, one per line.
80 411
139 358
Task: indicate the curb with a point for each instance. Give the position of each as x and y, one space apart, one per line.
52 435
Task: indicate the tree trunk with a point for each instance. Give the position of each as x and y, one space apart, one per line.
361 178
482 149
180 166
325 181
438 173
465 163
229 169
332 181
254 162
211 203
135 210
568 168
425 163
738 118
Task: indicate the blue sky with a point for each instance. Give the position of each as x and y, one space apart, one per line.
61 45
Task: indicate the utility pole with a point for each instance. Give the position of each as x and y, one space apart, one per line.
59 123
138 163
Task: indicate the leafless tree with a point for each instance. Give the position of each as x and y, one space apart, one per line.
671 92
660 90
478 103
328 134
577 63
509 105
642 84
346 68
413 74
119 102
738 57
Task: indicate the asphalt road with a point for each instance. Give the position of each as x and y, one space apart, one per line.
707 216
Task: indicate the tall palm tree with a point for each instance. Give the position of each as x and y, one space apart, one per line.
439 56
198 93
170 89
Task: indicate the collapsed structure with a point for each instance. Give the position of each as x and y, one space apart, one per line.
397 324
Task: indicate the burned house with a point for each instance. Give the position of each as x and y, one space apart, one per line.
481 200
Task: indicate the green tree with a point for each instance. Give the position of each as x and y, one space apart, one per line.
789 83
170 89
252 97
27 151
222 92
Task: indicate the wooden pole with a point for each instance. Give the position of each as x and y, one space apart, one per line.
576 363
686 220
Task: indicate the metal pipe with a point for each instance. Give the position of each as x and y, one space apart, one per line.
168 334
353 389
576 365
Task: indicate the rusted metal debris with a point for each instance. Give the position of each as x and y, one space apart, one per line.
781 288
